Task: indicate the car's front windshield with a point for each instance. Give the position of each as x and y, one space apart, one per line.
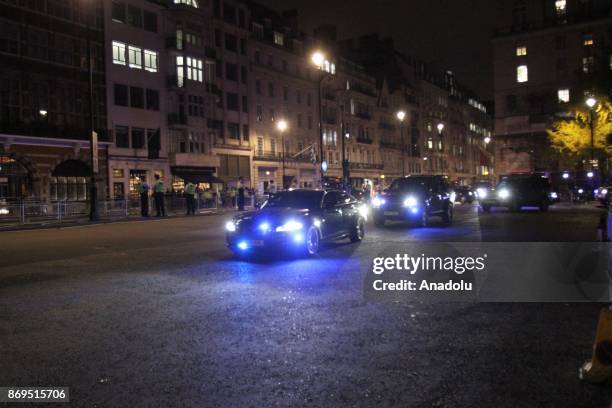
295 199
410 184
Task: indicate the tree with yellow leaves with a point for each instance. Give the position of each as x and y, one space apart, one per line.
571 135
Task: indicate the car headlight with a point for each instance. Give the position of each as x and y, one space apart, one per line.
604 191
596 191
290 226
481 193
363 211
4 211
230 226
378 202
503 193
410 202
554 195
580 191
264 227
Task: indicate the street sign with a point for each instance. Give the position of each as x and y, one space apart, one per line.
94 152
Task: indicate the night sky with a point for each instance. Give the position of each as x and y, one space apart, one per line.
453 33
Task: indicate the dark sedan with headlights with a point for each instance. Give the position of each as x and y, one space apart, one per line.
297 221
519 191
415 198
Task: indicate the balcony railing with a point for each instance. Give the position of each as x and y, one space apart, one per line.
367 166
278 156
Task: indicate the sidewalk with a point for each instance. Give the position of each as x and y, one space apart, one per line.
84 220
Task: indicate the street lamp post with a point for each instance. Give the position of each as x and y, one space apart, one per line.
591 102
401 115
345 163
93 189
282 126
318 59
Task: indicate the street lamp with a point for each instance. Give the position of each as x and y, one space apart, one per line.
401 115
318 59
281 125
345 163
440 127
565 176
591 102
487 140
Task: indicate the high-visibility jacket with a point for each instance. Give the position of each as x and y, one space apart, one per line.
190 189
159 187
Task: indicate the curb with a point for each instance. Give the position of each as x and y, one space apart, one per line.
39 227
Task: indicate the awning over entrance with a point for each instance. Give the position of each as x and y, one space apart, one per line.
197 174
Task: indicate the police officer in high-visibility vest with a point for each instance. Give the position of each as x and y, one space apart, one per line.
143 190
158 193
190 193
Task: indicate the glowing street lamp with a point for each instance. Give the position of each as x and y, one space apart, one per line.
281 125
566 175
487 140
42 112
591 102
590 174
401 115
440 127
318 58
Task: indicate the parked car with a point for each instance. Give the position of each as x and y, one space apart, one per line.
519 191
464 194
298 220
414 198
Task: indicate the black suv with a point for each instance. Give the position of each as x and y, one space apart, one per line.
414 198
521 191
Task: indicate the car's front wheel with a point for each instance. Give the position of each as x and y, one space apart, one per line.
313 240
358 231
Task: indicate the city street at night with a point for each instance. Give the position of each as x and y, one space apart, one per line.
160 313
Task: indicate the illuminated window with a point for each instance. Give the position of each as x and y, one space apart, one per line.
192 3
150 60
521 50
522 73
588 40
118 53
135 57
194 69
560 7
279 39
430 144
563 95
587 65
180 70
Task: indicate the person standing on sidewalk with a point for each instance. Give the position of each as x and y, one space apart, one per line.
158 193
190 193
143 190
240 194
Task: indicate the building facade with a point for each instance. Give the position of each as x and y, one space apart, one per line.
197 91
547 56
45 119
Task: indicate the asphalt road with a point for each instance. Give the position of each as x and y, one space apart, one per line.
159 313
